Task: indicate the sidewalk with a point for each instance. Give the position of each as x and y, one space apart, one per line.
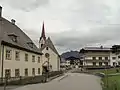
9 87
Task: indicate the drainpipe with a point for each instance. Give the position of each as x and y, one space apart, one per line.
2 61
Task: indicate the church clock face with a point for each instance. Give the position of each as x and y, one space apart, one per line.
47 55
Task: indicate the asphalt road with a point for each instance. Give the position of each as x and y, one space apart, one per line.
71 81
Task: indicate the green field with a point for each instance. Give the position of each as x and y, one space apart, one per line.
111 83
107 71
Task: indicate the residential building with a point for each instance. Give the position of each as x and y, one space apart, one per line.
96 56
18 54
115 55
51 57
72 59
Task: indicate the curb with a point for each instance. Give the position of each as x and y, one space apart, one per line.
50 79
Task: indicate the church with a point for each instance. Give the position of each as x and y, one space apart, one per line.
19 56
51 57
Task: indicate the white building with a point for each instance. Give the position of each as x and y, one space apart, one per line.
115 56
19 56
96 56
51 58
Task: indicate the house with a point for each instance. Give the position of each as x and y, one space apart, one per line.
64 63
115 55
51 57
96 56
72 59
19 56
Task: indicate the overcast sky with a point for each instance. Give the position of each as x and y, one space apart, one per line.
71 24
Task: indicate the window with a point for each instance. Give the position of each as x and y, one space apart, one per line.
47 48
17 55
31 44
26 72
106 63
41 45
100 58
8 54
17 72
106 58
7 73
38 70
100 63
26 57
47 55
94 58
33 58
94 63
119 57
114 63
13 37
38 59
33 71
119 63
113 58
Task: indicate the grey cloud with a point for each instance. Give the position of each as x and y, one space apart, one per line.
74 40
93 15
26 5
104 35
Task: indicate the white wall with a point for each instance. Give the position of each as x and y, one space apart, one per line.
91 64
54 59
114 60
21 64
97 57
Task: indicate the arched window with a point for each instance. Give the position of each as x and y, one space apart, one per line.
41 45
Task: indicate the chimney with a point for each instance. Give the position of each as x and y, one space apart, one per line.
12 21
0 11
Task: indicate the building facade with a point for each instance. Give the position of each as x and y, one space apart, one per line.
19 56
51 58
96 56
115 55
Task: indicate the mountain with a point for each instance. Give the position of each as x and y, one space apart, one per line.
75 54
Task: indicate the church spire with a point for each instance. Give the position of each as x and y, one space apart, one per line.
43 33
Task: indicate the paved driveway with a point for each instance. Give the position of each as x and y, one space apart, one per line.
72 81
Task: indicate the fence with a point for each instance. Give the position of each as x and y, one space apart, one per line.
29 80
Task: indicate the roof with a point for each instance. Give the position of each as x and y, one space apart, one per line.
96 48
7 28
48 43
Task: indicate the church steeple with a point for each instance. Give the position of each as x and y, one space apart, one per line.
43 33
43 37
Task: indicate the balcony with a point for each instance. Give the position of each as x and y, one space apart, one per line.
91 60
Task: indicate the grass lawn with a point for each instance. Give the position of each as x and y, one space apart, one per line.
112 83
108 71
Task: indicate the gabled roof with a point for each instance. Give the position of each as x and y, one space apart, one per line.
96 48
7 28
48 43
